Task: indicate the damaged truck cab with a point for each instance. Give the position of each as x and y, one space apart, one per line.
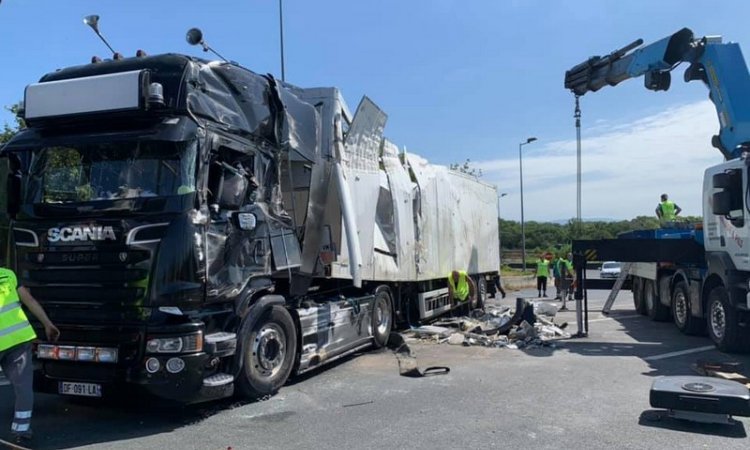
194 228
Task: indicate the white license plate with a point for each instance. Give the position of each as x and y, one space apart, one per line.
80 389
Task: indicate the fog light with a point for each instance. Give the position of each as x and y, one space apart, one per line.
106 355
152 365
66 352
86 353
175 365
46 351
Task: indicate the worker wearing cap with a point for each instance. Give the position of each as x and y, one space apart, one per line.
667 210
16 335
460 286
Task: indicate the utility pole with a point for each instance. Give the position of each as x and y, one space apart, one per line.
523 232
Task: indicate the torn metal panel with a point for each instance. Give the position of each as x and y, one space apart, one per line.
364 138
360 169
401 266
457 222
332 328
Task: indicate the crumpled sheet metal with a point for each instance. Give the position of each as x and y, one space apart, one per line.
457 221
442 219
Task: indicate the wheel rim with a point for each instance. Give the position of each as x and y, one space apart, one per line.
680 308
718 319
269 350
382 317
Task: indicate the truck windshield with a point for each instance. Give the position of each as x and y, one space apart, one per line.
111 171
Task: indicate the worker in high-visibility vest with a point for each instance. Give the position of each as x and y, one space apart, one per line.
667 210
542 273
461 286
16 335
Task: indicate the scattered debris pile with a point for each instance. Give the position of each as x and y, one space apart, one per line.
530 325
726 370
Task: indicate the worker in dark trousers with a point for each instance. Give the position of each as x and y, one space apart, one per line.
16 335
499 285
542 273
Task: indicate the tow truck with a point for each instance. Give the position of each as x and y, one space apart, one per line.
697 275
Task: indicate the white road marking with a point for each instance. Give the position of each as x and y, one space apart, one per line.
615 318
680 353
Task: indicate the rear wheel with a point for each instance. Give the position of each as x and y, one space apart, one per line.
654 309
683 318
481 297
723 326
382 317
639 302
269 349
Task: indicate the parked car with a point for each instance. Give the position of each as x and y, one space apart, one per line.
610 269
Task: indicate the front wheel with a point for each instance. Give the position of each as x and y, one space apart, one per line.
269 349
723 326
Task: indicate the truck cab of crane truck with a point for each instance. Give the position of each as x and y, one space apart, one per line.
143 231
726 228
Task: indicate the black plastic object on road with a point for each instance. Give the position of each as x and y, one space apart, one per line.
700 399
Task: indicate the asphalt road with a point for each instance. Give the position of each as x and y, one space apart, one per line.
584 393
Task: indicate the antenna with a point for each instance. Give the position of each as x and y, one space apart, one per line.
195 37
93 22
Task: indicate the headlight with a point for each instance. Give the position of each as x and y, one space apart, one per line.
176 344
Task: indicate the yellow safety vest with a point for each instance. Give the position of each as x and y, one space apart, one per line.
542 268
14 325
462 290
668 211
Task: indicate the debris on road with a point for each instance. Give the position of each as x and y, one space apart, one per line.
530 325
407 361
726 370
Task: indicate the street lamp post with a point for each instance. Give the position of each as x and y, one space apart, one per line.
281 39
523 231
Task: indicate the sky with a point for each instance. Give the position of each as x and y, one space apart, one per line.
458 79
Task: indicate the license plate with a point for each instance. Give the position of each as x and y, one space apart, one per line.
80 389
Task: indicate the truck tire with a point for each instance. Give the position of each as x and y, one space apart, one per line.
654 309
382 317
638 301
723 325
481 297
269 351
683 318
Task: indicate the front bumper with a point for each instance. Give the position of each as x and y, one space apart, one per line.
185 386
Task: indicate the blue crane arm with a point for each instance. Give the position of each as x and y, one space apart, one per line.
719 65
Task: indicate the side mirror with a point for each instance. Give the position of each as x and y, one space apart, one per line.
194 36
721 204
722 180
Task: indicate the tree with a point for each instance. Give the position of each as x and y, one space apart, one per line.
466 168
9 131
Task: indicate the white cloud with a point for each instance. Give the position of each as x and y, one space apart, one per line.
625 167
